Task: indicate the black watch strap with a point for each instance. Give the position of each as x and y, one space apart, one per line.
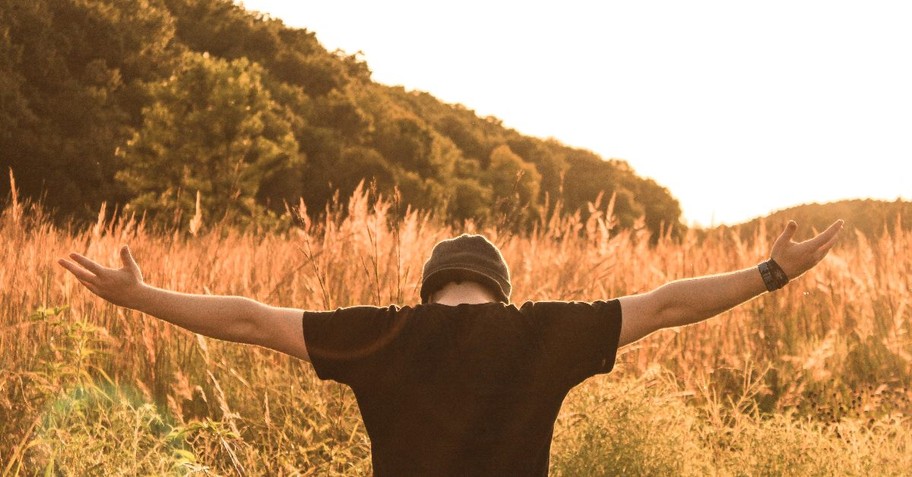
773 276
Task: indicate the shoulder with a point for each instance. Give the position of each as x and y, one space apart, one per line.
345 324
571 308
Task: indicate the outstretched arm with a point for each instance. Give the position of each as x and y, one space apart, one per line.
687 301
230 318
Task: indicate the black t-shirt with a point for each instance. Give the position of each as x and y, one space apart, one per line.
467 389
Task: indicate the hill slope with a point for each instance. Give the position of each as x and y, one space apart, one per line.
154 105
872 218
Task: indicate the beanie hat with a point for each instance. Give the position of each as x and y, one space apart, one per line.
467 257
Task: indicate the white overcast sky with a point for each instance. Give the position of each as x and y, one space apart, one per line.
738 108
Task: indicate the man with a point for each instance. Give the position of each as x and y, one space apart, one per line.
464 383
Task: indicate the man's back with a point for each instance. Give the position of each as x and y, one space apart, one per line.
463 390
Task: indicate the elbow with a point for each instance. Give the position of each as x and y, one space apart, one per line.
685 313
670 316
687 310
678 304
670 310
245 326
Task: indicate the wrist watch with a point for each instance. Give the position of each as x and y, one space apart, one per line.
773 276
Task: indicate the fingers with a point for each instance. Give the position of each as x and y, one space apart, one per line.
834 237
91 286
827 238
80 273
87 263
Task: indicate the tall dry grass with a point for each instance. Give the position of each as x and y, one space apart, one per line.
813 379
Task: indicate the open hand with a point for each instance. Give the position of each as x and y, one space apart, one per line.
795 258
119 286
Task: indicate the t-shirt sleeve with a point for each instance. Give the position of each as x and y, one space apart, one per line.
579 339
348 345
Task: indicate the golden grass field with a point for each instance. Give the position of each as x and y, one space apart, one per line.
811 380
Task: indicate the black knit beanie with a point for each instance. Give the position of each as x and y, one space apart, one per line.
467 257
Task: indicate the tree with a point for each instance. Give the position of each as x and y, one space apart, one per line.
212 128
14 110
70 69
468 200
318 75
339 112
549 161
359 164
515 184
407 142
662 211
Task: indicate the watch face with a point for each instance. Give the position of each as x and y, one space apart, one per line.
767 276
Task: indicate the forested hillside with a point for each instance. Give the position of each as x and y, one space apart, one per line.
871 218
152 105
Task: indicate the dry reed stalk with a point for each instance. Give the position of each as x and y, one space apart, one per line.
846 319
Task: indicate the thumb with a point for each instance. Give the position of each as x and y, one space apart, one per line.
127 258
789 231
785 237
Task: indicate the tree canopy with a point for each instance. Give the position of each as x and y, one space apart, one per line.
147 104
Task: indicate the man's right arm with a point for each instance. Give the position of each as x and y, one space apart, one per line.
230 318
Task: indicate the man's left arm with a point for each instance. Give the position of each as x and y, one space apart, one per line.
692 300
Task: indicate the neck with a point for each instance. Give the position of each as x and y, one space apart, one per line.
464 293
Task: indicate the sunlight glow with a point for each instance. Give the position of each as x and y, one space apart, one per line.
739 109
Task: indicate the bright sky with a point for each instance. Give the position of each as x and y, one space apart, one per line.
738 108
